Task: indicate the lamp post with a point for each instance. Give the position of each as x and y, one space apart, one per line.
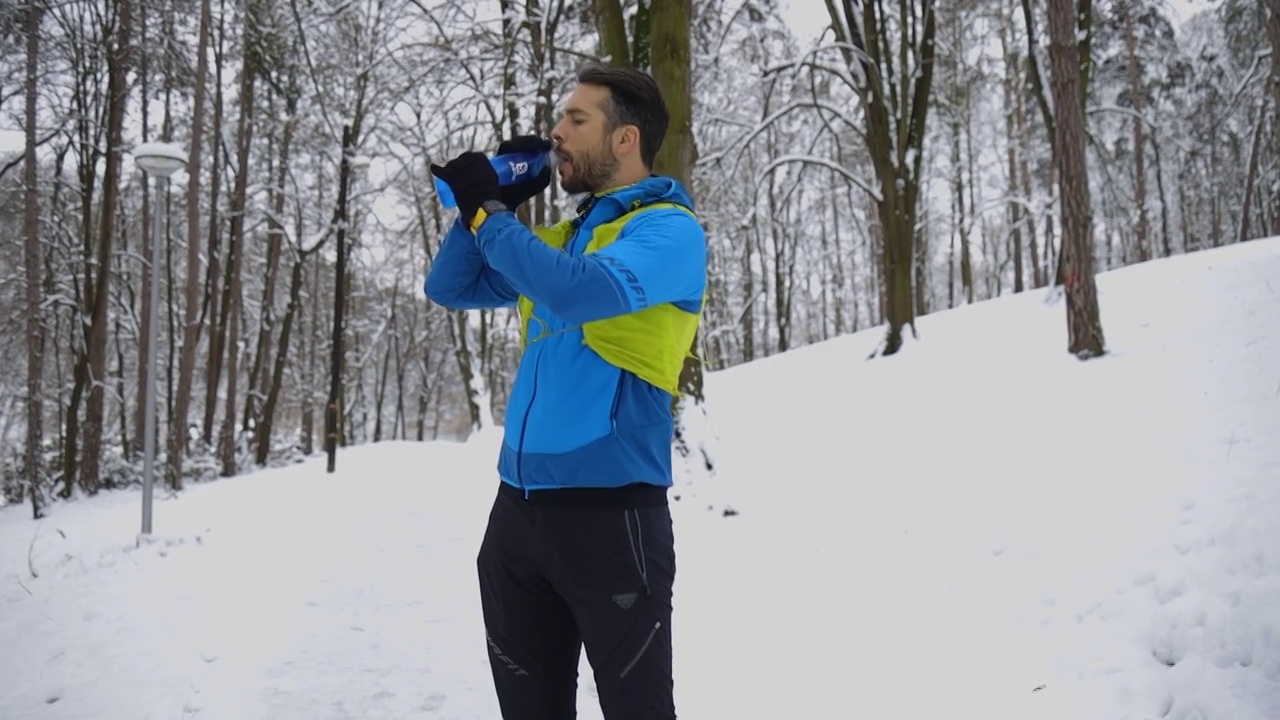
160 160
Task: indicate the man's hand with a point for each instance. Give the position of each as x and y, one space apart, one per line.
472 180
515 195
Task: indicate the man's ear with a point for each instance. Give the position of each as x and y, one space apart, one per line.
628 139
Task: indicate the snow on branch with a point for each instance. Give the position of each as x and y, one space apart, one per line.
823 162
1249 76
764 124
807 60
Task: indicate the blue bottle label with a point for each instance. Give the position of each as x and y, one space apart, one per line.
511 168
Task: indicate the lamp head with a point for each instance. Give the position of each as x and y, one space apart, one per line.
161 159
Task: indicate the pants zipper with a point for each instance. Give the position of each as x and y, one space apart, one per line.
653 631
637 547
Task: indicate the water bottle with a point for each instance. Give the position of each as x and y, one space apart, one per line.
512 168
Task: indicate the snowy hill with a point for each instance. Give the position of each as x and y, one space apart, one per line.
982 526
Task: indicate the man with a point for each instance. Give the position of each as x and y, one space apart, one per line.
579 548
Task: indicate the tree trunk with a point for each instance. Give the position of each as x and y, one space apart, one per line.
424 392
232 294
923 278
259 380
748 320
33 461
122 407
333 409
212 298
191 325
1215 193
1273 35
1165 245
1184 224
384 373
895 98
1024 173
262 430
613 32
1082 19
1052 255
1015 209
88 142
398 429
1084 325
897 217
310 327
473 382
781 286
962 223
1136 96
1251 179
837 262
118 58
134 446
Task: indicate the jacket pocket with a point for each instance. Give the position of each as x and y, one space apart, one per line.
616 405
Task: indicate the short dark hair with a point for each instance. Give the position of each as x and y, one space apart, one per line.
634 100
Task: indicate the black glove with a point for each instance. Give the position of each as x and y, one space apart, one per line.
515 195
472 180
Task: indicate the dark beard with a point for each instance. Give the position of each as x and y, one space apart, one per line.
590 173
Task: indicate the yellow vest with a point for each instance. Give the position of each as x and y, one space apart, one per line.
651 343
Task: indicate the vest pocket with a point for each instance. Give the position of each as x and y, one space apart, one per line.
637 405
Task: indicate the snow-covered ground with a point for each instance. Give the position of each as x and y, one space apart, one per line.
981 526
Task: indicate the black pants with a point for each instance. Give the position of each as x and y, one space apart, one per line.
573 568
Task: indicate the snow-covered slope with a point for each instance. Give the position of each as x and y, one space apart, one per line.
981 526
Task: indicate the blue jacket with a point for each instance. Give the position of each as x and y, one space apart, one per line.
574 420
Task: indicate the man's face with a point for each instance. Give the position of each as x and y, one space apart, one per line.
585 147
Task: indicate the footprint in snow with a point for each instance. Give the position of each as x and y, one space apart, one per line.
1168 592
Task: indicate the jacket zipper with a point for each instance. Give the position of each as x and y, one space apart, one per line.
533 393
524 425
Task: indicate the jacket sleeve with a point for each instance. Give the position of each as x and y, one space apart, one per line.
460 280
659 257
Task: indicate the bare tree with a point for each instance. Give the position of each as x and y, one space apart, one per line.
33 464
254 44
191 320
1136 97
118 66
1273 82
894 65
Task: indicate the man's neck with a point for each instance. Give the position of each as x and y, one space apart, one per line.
624 178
